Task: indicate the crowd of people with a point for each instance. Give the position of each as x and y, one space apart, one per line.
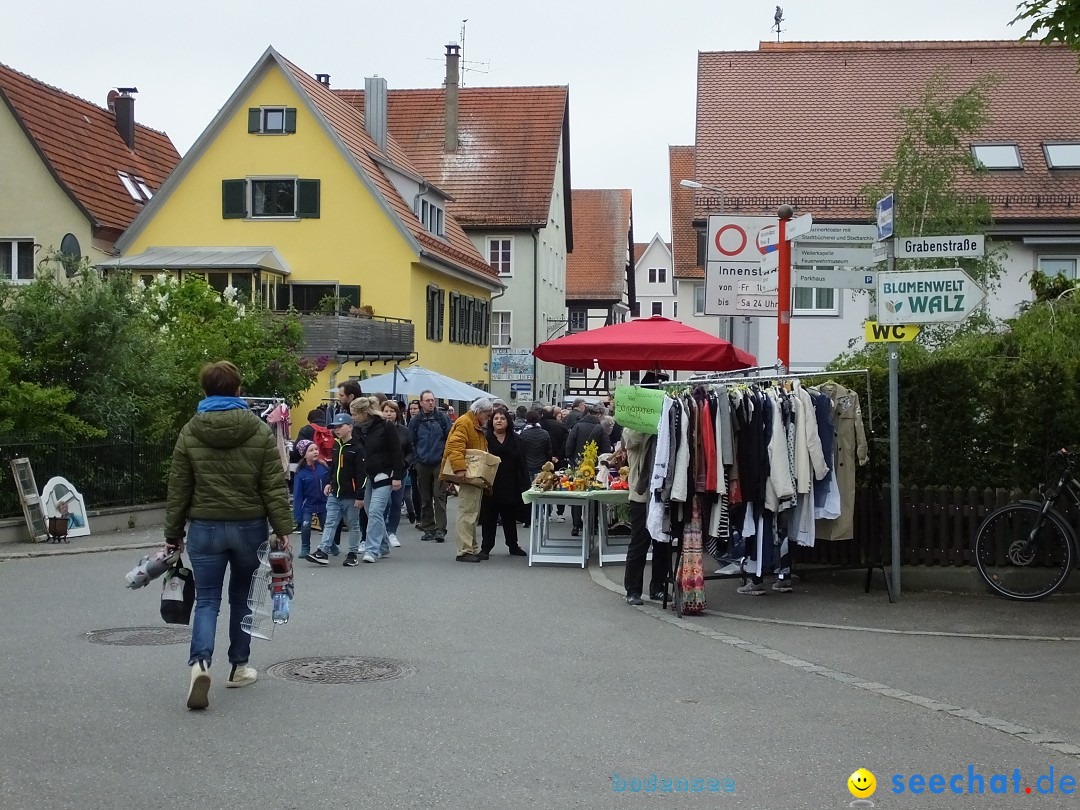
359 463
356 475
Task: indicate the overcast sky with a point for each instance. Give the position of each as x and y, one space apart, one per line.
630 66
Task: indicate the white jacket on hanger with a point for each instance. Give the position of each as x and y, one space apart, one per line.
654 518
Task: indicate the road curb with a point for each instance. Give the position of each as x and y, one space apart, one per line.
5 556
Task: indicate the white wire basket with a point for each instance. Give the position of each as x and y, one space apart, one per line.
260 622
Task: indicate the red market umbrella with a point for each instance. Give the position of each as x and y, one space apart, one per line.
642 345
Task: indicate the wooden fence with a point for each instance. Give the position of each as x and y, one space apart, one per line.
937 526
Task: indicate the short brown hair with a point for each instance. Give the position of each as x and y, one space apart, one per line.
220 379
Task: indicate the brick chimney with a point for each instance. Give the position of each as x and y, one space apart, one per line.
453 59
375 110
123 108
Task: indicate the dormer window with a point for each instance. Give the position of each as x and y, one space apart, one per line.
432 217
1062 155
136 187
996 156
272 120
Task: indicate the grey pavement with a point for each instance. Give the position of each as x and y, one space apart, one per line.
533 687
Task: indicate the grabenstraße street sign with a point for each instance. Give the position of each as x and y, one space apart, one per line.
926 247
815 255
832 233
927 296
836 279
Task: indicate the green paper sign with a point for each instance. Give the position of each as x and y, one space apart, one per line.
639 408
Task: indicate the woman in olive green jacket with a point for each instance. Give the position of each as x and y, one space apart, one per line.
226 479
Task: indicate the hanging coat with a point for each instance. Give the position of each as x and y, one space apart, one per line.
850 446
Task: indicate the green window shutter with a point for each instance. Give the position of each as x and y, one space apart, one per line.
453 317
290 119
307 198
441 307
431 312
254 119
233 199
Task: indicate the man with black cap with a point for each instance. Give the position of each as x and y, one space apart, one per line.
344 493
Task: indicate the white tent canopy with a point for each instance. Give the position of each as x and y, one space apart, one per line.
414 379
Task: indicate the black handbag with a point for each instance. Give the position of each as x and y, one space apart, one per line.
178 593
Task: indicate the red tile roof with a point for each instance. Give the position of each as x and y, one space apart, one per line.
82 147
818 120
597 269
639 250
683 236
348 122
503 171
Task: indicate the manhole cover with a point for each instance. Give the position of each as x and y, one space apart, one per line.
140 636
347 669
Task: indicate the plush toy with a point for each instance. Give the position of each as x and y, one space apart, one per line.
545 479
624 479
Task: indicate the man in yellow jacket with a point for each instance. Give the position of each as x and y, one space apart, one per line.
467 433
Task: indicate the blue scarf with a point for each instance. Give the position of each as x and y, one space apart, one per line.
219 403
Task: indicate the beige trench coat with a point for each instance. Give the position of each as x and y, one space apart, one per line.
850 445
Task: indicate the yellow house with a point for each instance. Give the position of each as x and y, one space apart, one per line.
297 199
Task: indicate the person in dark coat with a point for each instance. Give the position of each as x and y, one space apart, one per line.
391 412
504 502
537 445
586 430
384 464
558 433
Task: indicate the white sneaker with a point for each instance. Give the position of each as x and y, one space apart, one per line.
368 558
242 675
394 542
198 696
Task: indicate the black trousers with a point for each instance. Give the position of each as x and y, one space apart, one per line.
640 539
491 515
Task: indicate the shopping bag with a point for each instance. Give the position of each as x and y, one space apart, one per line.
178 593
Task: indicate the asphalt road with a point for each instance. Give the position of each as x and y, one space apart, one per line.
533 688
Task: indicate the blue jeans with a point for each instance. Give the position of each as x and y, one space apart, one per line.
305 532
375 501
211 545
338 509
393 510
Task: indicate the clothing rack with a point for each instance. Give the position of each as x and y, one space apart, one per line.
758 375
717 378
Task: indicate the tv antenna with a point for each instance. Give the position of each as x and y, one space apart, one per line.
778 18
486 66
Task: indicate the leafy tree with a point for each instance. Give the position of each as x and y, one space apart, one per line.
118 357
927 173
1050 21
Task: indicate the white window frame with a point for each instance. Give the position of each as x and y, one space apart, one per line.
699 299
264 113
1064 162
14 242
584 313
496 327
500 239
1059 257
654 306
652 275
143 187
1008 167
431 216
251 181
815 310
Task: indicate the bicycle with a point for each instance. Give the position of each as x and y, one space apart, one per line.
1025 550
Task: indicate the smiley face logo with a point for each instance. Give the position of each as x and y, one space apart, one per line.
862 784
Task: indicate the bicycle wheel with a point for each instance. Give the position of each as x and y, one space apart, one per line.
1022 554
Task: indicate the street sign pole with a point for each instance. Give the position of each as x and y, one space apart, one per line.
894 428
783 292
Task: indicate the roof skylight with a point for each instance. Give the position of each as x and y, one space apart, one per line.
1065 155
997 155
